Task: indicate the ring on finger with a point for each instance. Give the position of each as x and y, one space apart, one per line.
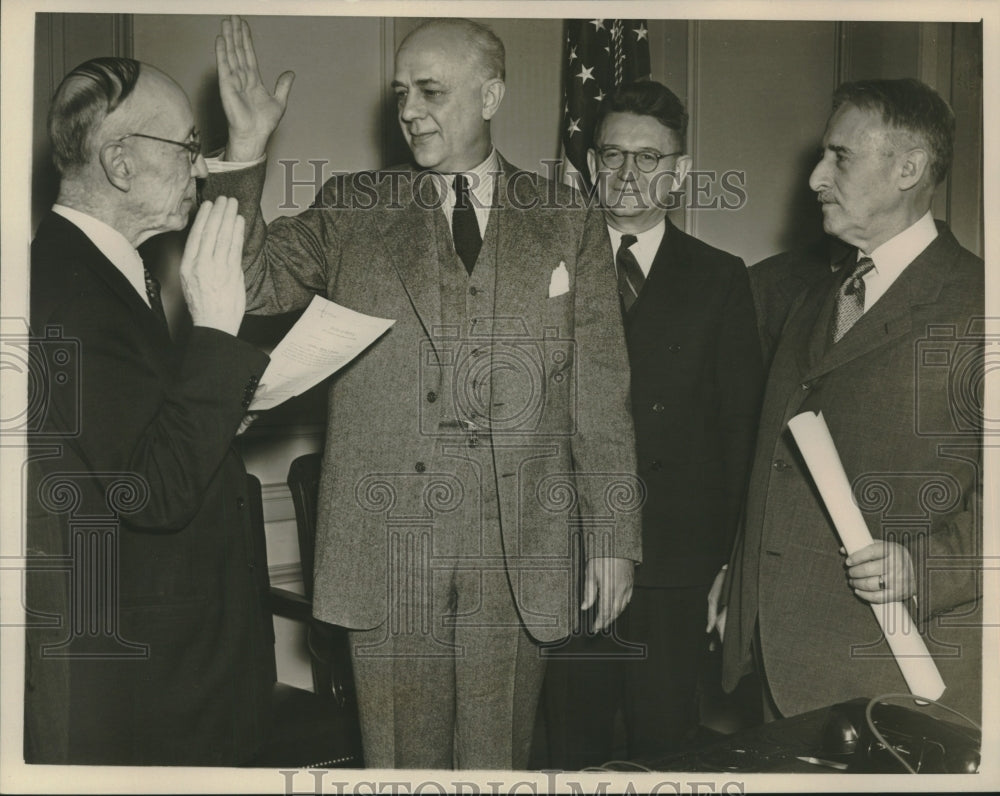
881 582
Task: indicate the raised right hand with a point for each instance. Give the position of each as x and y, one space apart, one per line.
251 110
211 272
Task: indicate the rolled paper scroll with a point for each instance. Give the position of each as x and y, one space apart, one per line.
813 438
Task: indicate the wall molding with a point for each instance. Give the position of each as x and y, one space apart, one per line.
388 44
841 54
278 505
122 39
284 575
693 101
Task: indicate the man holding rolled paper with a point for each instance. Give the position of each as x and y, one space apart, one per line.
889 350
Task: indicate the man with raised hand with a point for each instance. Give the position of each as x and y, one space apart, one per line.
464 445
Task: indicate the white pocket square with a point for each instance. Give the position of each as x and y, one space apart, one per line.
559 283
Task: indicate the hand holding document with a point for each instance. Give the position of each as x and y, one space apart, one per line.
820 453
324 339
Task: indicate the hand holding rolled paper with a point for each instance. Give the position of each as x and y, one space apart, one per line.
821 457
882 572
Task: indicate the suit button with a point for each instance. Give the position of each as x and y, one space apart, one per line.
780 465
658 407
656 465
673 348
431 397
473 291
240 503
420 467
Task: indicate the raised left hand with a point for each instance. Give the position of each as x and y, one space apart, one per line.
608 581
252 111
881 573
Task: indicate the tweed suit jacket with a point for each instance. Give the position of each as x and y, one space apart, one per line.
136 435
696 385
899 394
369 243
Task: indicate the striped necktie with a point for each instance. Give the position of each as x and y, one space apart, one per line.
153 294
630 276
851 298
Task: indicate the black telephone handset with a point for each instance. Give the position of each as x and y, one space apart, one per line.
928 744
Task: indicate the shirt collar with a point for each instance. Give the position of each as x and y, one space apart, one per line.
893 256
112 244
479 179
646 245
898 252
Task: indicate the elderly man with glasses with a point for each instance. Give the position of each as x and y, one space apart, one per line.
696 383
147 642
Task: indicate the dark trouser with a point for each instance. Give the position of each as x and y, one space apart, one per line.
590 678
770 710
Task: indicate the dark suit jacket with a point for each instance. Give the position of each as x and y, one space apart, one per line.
778 280
135 434
696 384
899 394
370 243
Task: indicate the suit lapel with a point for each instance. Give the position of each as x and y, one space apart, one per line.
412 245
892 315
86 253
665 283
521 280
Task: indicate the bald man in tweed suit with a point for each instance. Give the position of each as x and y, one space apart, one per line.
470 444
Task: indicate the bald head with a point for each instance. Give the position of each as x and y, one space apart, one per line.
153 106
480 45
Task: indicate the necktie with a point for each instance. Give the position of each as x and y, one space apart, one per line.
851 298
464 226
630 276
153 293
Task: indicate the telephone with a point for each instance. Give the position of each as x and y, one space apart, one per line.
930 745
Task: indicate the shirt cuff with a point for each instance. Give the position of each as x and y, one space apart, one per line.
216 165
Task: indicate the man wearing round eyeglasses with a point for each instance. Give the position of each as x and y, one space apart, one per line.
138 516
696 380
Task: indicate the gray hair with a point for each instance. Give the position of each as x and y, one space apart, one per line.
83 100
909 106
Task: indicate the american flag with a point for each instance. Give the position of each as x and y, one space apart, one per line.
601 54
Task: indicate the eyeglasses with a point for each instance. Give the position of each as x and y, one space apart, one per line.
193 146
614 158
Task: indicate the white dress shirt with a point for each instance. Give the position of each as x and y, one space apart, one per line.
112 245
645 247
892 257
480 180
